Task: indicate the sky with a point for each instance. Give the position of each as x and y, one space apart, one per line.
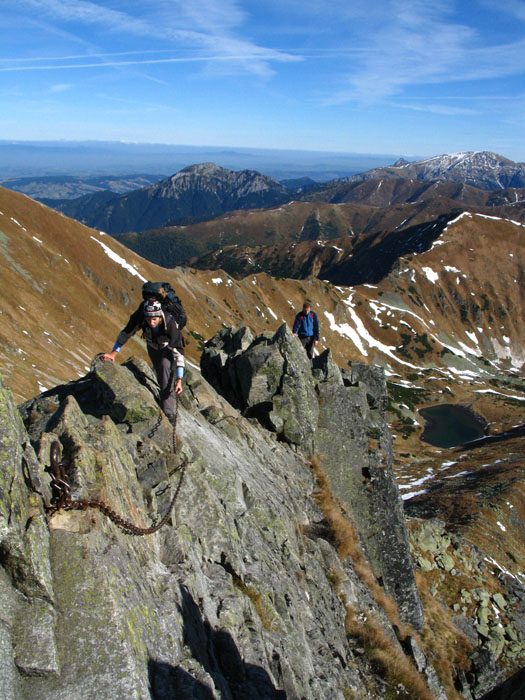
407 77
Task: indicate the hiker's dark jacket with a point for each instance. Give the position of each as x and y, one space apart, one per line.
168 335
306 325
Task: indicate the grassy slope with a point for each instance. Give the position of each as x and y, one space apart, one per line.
447 327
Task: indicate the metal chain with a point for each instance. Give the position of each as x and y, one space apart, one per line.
61 490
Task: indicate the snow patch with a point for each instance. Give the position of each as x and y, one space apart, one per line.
406 496
345 329
494 218
454 221
431 275
118 259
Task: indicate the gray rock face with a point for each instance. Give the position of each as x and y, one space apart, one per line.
339 417
230 600
242 594
268 378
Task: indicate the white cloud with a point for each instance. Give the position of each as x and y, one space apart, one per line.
419 43
445 110
60 87
210 29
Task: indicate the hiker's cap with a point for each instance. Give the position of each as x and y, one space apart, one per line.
152 308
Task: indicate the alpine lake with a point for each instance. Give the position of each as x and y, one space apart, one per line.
451 425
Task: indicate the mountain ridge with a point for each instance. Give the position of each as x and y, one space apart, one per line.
197 191
205 190
482 169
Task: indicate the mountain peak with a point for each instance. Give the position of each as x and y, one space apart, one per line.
203 169
482 169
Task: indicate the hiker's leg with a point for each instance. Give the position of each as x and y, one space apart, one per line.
167 397
162 365
309 347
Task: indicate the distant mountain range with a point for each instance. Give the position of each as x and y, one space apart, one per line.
482 169
205 191
69 187
384 191
196 192
370 207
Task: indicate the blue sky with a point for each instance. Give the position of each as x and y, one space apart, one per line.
412 77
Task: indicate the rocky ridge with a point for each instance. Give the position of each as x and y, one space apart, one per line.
198 191
245 593
482 169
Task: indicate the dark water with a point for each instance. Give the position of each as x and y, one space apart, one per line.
450 425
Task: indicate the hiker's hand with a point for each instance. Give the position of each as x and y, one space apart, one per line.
178 386
296 335
315 342
109 356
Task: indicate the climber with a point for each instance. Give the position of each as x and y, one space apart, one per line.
306 328
165 349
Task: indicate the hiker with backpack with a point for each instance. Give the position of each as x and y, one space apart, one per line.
306 328
160 323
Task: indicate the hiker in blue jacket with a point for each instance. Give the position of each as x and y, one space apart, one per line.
306 328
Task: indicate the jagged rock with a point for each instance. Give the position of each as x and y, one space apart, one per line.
123 401
466 626
325 369
341 418
271 377
27 636
233 599
512 689
424 667
484 672
295 409
372 379
259 371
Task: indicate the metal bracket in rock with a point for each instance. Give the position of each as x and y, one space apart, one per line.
62 499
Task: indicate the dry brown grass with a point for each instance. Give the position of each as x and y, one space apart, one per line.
347 543
444 645
387 655
382 649
258 602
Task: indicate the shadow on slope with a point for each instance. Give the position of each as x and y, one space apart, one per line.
218 655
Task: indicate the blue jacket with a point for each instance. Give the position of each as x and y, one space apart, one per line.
306 326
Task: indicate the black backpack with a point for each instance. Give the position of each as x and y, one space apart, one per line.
164 292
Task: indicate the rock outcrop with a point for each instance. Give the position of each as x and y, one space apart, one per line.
337 416
242 594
